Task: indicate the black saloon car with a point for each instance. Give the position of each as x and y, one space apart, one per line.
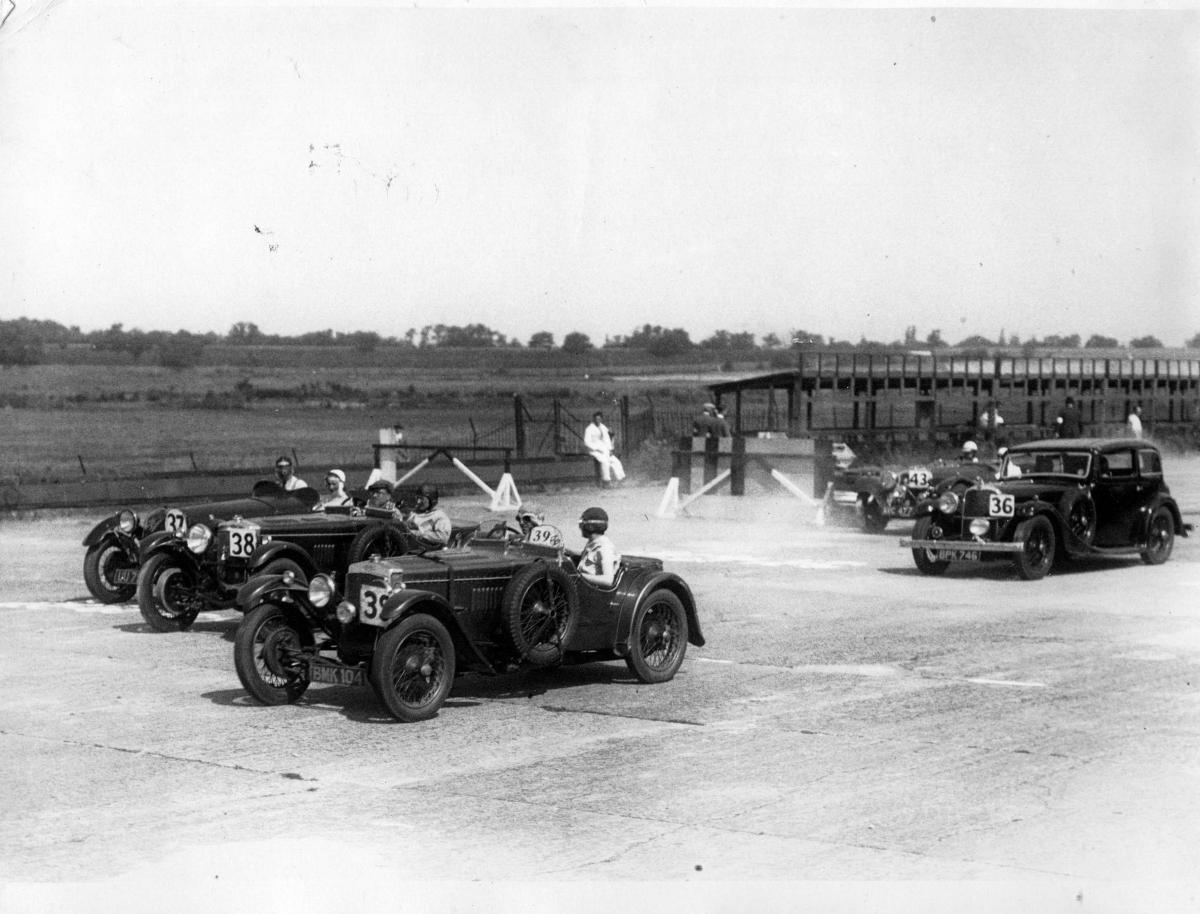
110 565
1054 499
407 625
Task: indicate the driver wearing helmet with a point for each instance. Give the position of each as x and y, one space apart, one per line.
529 517
970 452
598 561
429 522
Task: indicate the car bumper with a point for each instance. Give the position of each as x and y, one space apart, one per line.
962 544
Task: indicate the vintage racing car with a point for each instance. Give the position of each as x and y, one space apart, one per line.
184 575
878 495
408 625
110 565
1054 499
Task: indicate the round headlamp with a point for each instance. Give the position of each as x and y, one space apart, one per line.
947 503
126 521
345 611
320 590
198 538
979 526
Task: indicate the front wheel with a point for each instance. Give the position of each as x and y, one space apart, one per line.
413 667
268 654
1160 537
101 566
923 558
1038 542
659 638
166 593
873 519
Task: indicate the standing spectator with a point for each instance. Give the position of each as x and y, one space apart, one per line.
1135 422
335 483
719 423
703 425
1069 423
599 442
990 422
284 476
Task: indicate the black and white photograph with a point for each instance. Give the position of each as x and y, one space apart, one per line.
515 456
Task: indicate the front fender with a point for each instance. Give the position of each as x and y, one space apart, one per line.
165 543
279 549
663 580
406 602
107 528
264 586
1163 501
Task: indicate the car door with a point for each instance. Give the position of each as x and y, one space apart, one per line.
1118 495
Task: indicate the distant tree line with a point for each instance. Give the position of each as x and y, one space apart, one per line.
23 341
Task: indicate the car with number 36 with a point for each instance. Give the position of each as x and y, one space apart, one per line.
1053 500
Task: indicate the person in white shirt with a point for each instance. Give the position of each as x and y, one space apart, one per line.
599 559
598 440
1135 422
335 483
429 522
284 476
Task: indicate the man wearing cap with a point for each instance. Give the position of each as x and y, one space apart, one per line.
379 495
283 475
336 497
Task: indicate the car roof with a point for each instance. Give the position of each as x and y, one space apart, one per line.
1090 444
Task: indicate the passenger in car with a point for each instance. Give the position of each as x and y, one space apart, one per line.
599 560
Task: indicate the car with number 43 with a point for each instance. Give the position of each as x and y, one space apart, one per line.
1053 500
881 495
408 625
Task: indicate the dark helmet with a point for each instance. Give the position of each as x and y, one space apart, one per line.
430 494
593 520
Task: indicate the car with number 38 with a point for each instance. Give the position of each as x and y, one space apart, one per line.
407 625
1053 500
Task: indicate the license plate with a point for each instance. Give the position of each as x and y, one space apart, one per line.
335 675
956 555
124 576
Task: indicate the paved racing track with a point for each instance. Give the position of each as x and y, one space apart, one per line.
849 720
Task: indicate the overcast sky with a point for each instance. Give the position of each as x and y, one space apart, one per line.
849 172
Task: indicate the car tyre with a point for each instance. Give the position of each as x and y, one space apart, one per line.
378 539
1080 514
540 609
1036 557
873 519
1160 537
99 564
166 594
923 558
659 638
268 655
413 667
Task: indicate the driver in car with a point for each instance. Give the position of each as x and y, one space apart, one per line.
429 522
598 561
284 476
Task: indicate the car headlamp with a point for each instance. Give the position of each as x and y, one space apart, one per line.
947 503
888 480
126 521
345 611
979 526
198 538
320 590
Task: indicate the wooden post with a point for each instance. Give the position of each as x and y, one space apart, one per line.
683 464
625 446
737 479
519 424
711 458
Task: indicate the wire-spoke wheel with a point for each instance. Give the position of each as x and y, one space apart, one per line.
413 667
659 638
1037 553
1160 537
101 565
539 609
268 654
166 593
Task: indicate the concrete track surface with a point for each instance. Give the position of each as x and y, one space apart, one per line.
853 734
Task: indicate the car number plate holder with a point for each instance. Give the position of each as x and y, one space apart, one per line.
956 555
335 674
124 576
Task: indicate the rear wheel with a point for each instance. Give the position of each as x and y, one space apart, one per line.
101 565
268 654
924 559
1160 537
1038 543
413 667
659 638
166 593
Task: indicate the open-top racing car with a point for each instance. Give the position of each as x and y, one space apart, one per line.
182 576
1054 499
879 495
110 565
407 625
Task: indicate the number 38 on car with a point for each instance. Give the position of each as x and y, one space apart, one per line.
407 625
1054 499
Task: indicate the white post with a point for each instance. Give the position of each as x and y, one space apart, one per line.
387 456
